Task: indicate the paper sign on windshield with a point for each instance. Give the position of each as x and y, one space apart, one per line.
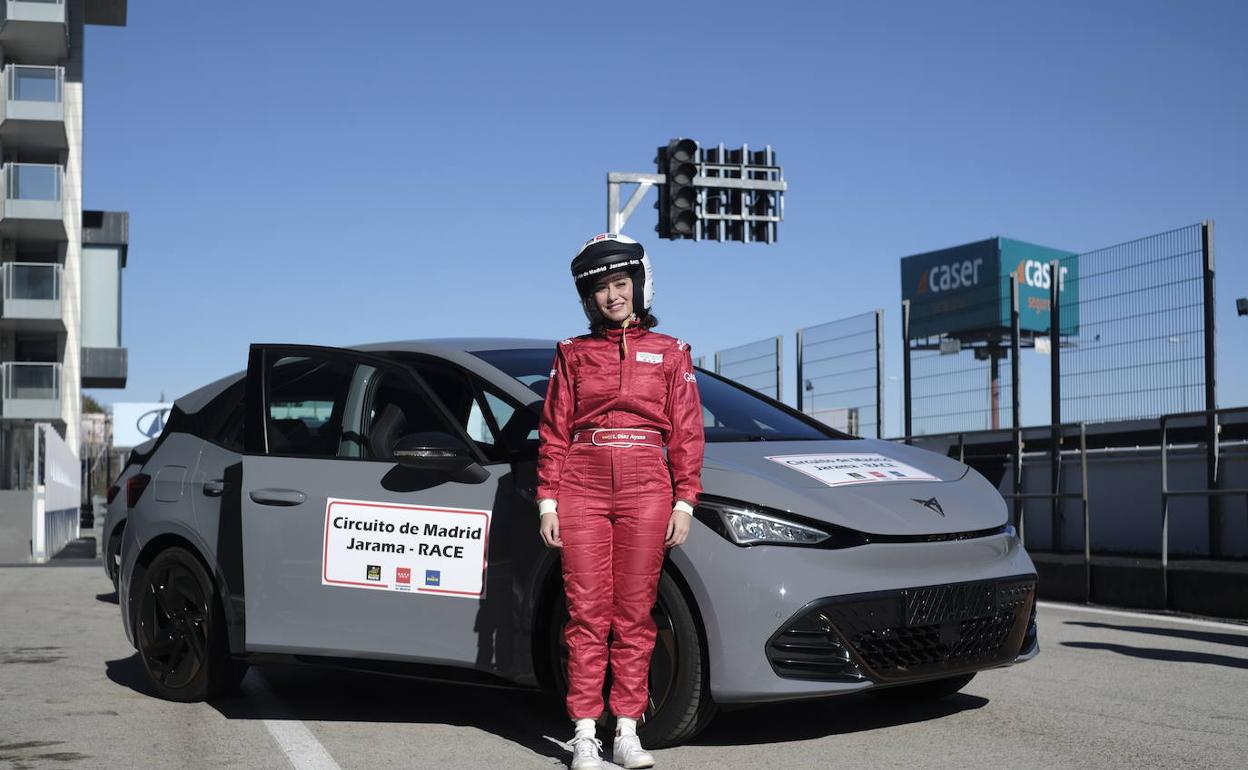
409 548
839 470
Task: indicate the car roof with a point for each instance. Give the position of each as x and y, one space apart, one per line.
458 350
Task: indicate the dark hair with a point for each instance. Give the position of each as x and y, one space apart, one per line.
598 326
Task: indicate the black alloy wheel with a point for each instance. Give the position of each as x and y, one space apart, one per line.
680 700
179 632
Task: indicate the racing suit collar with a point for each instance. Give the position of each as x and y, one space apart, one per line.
621 334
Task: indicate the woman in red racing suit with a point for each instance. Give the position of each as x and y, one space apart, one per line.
608 496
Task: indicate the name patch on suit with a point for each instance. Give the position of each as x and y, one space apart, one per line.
649 358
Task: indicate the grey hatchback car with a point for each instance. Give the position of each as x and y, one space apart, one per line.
372 508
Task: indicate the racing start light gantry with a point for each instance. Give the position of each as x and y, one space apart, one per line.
717 193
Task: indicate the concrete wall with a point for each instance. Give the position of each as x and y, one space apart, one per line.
15 536
1124 501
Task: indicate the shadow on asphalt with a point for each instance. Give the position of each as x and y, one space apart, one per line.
1165 656
109 598
806 720
1235 640
526 717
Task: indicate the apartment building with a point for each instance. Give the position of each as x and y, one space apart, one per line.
60 267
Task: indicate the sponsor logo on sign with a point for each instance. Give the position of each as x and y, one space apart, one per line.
878 475
898 474
856 475
433 577
959 275
649 358
1039 275
403 575
373 572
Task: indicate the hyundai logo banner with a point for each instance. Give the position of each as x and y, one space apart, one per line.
135 423
966 289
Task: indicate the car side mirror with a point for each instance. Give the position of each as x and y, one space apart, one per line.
432 451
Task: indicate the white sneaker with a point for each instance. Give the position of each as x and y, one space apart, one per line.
586 753
629 754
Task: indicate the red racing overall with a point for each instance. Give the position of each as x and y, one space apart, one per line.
615 493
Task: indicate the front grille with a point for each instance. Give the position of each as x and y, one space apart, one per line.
914 633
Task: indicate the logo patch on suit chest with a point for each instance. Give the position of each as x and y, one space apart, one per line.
649 358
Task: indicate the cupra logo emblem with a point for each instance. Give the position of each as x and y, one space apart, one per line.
151 423
932 504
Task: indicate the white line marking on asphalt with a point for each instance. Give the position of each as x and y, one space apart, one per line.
1145 616
292 736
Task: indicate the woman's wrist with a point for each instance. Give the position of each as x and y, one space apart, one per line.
547 505
684 507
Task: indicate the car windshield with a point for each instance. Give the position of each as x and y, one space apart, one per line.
729 413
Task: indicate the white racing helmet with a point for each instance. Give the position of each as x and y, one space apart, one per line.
607 253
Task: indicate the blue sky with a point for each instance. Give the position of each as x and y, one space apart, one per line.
338 173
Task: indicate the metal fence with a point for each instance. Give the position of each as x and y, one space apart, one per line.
755 365
840 373
1130 336
1140 347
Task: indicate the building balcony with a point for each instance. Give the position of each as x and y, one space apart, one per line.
34 201
30 295
30 391
32 107
104 367
34 30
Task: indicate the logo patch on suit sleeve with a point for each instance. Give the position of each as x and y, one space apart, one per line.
689 377
649 358
565 342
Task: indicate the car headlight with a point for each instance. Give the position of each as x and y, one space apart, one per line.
746 525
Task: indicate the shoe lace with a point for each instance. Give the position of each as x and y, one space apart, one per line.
586 746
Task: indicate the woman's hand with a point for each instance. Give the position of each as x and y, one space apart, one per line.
550 530
677 528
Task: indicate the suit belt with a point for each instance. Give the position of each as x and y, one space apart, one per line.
619 437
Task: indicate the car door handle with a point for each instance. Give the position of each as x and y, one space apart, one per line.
214 488
277 496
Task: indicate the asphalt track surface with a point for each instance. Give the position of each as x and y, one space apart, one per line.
1109 689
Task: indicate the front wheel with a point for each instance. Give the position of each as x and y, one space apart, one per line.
680 697
180 634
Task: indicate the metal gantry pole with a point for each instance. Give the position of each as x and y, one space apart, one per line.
1211 392
1016 469
905 368
1055 404
879 373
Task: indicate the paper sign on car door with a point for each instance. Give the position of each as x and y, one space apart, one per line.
838 470
412 548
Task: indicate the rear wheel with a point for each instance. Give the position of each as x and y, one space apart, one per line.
680 698
180 631
925 692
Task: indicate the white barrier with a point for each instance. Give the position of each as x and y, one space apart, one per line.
58 492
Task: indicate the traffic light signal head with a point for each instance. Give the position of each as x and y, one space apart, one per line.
678 198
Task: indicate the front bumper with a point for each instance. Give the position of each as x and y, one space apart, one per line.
907 635
746 596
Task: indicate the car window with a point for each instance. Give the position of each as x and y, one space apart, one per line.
305 401
482 414
729 412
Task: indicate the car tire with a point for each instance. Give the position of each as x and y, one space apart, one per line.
925 692
680 695
180 630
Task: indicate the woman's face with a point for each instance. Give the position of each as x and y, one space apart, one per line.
613 294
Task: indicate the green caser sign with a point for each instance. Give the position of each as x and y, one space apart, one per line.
965 290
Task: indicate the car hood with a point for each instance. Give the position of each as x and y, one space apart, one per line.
965 501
